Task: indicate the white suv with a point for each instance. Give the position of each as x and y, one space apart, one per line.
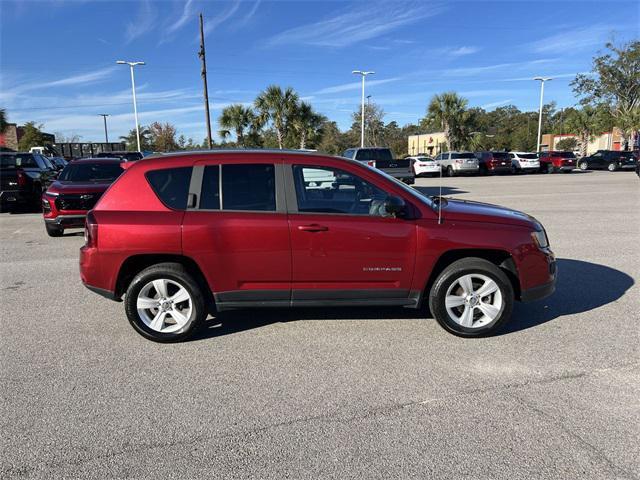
457 163
524 162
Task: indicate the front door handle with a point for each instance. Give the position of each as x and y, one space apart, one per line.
313 228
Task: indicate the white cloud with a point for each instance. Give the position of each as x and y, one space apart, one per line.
74 80
367 21
355 85
472 71
572 39
144 22
211 23
458 52
500 103
187 14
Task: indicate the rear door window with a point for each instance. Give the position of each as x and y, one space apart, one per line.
249 187
171 185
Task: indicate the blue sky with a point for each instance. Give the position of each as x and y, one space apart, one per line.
57 59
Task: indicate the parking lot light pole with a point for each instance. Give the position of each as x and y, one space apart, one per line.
542 80
106 135
363 75
133 89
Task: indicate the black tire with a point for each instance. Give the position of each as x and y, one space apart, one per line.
53 230
612 167
551 168
450 172
173 272
583 166
450 275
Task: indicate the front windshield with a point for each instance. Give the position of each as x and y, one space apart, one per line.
91 172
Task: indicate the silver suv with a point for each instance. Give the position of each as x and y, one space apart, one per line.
457 163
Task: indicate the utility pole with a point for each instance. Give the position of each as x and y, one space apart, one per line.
541 80
363 74
201 54
106 135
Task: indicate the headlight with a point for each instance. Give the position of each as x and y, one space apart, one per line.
540 237
52 194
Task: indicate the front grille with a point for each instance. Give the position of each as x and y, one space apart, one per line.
84 201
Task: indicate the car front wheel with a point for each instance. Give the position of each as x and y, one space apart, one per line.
472 297
53 230
583 166
450 171
164 303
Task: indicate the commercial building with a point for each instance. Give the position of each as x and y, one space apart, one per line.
427 143
13 133
604 141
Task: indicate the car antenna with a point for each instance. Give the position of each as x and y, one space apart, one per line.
440 197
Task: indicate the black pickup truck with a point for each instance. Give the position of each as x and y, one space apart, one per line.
382 158
23 178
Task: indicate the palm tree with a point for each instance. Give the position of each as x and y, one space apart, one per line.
278 107
585 122
3 120
448 110
238 118
306 123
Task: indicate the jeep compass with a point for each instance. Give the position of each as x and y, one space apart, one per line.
183 235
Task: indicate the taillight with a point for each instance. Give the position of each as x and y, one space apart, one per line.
91 230
459 160
22 178
372 163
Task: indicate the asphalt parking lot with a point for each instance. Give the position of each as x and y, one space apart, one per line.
345 393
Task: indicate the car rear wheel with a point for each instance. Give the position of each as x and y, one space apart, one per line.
583 166
53 230
450 171
550 168
472 297
164 303
612 167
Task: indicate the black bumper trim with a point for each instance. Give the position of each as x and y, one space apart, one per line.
539 292
104 293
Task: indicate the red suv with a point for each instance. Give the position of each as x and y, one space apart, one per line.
554 161
77 189
186 234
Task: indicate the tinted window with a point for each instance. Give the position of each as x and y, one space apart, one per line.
210 196
249 187
374 154
348 153
25 160
171 185
91 172
529 156
463 155
331 190
500 155
567 155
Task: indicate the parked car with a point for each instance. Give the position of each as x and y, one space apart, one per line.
610 160
458 163
67 200
423 165
23 178
124 155
525 162
493 162
557 161
382 159
187 234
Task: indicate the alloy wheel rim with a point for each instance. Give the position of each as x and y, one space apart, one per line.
473 301
583 166
164 306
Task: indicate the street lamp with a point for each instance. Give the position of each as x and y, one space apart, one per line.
106 135
133 89
541 80
363 75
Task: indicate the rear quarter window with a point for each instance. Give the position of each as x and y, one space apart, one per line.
171 185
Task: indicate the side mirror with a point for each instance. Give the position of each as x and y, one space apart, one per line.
395 206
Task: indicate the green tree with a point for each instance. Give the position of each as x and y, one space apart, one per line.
614 83
567 144
332 141
131 141
163 137
306 124
448 111
277 107
32 136
3 120
585 122
236 118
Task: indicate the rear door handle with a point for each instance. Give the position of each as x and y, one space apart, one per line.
313 228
